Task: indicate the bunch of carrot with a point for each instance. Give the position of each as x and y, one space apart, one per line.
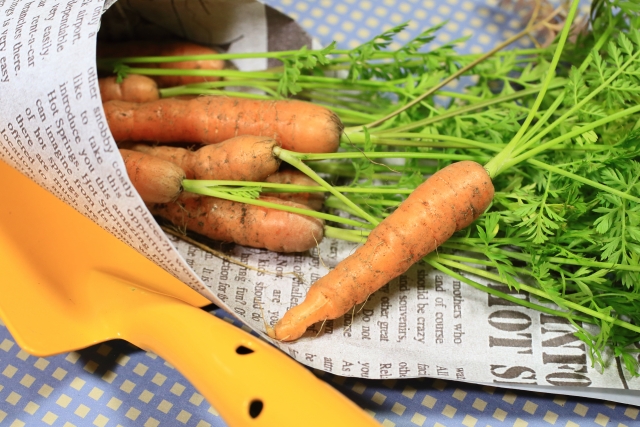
545 114
298 127
234 139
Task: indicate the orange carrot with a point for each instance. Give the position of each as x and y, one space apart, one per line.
297 125
292 176
448 201
133 88
155 180
246 225
243 158
169 48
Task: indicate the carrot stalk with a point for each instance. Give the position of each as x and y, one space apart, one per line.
166 49
294 159
224 193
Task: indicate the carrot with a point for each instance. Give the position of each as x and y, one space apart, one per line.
448 201
155 180
133 88
246 225
243 158
170 48
297 125
293 176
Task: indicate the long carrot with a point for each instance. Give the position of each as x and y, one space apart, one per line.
448 201
246 225
170 48
155 180
133 88
243 158
297 125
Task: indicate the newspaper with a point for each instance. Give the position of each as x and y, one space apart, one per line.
422 324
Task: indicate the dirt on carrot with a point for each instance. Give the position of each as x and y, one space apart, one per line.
155 180
297 125
133 88
244 224
448 201
169 48
313 200
243 158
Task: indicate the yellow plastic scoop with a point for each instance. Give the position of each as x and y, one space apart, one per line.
68 284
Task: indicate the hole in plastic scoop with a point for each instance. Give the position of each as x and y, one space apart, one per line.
255 408
243 350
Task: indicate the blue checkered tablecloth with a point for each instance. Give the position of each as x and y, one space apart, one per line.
116 384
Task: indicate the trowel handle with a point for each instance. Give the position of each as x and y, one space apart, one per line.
249 382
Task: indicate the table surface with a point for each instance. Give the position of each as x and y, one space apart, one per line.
116 384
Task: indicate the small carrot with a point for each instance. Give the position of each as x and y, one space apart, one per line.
246 225
133 88
243 158
155 180
448 201
168 48
293 176
297 125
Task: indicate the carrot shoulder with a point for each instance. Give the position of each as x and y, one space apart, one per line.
297 125
448 201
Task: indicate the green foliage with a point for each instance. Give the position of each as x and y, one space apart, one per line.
121 71
573 231
294 66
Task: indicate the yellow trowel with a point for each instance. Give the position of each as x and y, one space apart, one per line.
66 284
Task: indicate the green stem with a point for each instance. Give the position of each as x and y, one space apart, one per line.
332 203
459 73
169 92
292 188
539 293
391 139
583 180
339 56
387 155
527 139
295 160
462 110
471 247
576 132
206 191
200 73
485 262
347 235
438 265
495 165
376 202
346 170
577 107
